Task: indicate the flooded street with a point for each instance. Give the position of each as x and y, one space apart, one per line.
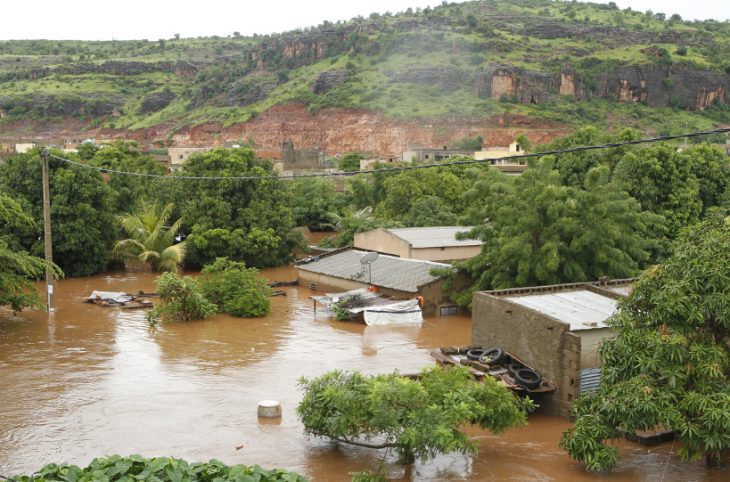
88 381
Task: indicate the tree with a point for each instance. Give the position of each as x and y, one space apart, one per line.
235 289
469 143
350 162
18 269
316 203
418 418
256 210
182 300
81 211
669 363
128 190
538 232
151 240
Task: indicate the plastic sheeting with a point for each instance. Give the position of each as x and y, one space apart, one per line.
402 313
113 296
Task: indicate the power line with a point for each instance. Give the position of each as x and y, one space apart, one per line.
407 168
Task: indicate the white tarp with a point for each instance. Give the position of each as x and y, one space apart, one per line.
115 296
402 313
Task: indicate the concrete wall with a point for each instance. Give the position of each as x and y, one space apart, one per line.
382 241
540 341
444 254
590 339
178 155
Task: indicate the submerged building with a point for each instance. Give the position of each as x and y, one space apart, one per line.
555 329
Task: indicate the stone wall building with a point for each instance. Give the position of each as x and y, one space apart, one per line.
178 155
555 329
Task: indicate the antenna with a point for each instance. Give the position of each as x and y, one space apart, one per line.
367 259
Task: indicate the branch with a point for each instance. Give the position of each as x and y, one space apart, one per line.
382 445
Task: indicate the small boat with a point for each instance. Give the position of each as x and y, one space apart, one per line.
497 363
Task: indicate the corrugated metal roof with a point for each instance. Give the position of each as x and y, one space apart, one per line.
581 309
434 237
387 271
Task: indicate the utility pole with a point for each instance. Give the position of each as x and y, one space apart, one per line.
50 280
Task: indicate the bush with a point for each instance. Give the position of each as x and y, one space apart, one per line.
182 300
235 289
135 467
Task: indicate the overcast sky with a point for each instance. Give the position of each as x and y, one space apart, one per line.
154 19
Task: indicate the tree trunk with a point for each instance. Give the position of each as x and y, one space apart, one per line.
713 459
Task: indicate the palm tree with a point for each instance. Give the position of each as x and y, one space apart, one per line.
151 241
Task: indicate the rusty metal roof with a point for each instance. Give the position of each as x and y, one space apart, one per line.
400 274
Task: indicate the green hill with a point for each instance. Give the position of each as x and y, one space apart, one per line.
568 62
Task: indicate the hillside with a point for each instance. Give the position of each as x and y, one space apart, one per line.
490 67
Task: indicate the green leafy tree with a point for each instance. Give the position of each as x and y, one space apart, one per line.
259 210
417 418
81 211
429 211
469 143
182 300
151 240
350 162
126 156
538 232
669 363
18 269
235 289
316 203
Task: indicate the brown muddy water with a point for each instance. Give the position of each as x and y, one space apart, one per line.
87 381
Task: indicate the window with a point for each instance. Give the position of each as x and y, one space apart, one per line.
448 310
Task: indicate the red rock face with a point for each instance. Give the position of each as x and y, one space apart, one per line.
335 131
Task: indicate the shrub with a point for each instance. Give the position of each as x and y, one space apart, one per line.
182 300
135 467
235 289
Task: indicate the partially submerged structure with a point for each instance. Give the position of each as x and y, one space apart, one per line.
436 243
556 329
392 276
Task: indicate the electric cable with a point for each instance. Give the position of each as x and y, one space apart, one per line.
404 168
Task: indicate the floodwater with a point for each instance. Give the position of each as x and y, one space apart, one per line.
87 381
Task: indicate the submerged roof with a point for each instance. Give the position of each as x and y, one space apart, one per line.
400 274
581 309
434 236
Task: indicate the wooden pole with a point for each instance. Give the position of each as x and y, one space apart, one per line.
50 280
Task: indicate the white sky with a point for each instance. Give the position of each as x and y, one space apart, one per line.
154 19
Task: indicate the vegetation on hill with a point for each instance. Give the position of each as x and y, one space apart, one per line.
431 62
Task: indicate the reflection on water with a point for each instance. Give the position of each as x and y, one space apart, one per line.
88 381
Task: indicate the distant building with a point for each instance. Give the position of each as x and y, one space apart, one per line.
436 243
433 154
366 164
178 155
396 277
555 329
24 147
299 158
497 156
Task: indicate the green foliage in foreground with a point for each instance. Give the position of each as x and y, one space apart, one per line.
182 300
417 418
161 469
235 289
669 364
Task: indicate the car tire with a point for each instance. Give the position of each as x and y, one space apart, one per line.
527 378
493 356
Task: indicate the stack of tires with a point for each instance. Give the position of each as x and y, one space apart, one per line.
496 357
